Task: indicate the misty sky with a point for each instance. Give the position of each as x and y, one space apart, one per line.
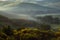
49 3
13 7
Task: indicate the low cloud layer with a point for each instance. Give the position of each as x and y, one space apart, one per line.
14 9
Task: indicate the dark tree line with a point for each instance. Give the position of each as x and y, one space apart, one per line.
49 19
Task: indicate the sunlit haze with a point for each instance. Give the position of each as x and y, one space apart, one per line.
3 0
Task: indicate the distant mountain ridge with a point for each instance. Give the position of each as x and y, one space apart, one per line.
32 9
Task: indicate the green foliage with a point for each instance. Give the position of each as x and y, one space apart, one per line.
28 33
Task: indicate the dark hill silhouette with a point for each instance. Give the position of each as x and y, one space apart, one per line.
16 23
4 21
25 23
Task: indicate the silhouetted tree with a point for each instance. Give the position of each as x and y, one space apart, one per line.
7 30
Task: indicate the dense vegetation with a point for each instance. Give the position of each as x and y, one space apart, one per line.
28 33
26 30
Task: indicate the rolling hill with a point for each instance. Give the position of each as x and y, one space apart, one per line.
33 9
